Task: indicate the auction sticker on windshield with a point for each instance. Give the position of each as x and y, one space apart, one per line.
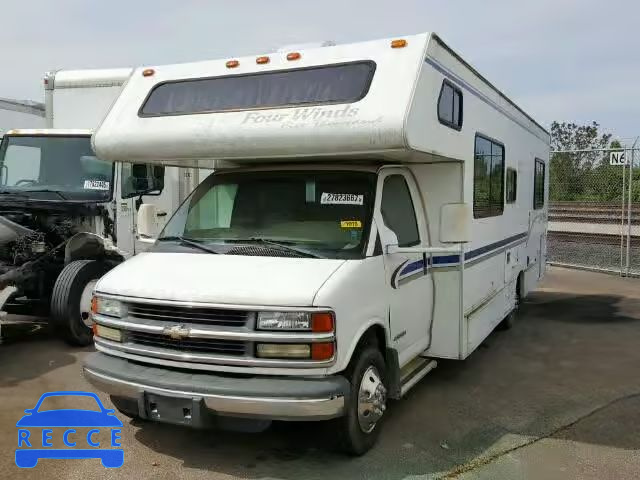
96 185
341 199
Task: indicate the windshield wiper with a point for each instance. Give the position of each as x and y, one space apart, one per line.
49 190
14 194
191 242
281 246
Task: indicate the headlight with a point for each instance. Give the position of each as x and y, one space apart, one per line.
107 306
317 322
284 321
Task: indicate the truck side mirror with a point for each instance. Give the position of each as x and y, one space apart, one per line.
139 174
147 221
455 223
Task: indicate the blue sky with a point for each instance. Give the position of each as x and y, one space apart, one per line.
563 60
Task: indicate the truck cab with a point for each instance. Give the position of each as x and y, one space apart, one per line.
66 218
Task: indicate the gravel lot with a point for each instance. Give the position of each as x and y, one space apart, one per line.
558 396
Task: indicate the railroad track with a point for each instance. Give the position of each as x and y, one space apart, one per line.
592 212
592 238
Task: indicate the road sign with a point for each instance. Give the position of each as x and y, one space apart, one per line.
617 158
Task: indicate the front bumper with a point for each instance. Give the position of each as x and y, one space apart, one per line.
208 395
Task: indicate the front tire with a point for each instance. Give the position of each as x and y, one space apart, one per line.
71 300
360 427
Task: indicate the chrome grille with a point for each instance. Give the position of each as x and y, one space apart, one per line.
189 345
197 315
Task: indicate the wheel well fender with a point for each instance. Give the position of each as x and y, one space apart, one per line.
520 286
89 246
372 329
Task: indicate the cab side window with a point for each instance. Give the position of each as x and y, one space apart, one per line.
398 212
140 179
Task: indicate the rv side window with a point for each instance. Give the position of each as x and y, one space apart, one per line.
512 185
450 106
538 185
488 178
397 211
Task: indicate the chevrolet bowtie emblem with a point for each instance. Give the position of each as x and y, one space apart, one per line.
177 332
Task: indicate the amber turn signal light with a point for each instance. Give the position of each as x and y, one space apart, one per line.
401 43
322 322
322 351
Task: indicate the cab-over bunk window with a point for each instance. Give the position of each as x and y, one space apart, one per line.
488 178
322 85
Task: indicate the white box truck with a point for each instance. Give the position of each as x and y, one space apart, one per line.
67 217
375 206
20 113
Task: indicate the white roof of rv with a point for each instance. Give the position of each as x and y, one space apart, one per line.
89 78
306 45
187 123
49 132
372 122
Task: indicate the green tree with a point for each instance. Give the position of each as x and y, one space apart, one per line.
577 156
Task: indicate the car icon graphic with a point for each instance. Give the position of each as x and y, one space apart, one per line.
29 452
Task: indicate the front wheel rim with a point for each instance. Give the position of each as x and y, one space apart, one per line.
372 396
85 303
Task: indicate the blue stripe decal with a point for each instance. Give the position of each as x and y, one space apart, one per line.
448 260
482 97
455 259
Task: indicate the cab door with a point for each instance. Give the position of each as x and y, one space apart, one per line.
154 187
400 217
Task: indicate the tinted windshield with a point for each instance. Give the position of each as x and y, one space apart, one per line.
33 165
327 213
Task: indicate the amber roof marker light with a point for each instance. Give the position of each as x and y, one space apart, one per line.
148 72
294 56
262 60
400 43
232 63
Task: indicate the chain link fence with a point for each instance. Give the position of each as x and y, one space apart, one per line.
594 210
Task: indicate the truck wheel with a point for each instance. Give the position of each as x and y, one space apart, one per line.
509 321
71 300
360 427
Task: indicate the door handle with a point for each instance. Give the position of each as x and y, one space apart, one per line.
161 214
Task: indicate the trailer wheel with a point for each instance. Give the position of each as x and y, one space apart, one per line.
71 300
359 429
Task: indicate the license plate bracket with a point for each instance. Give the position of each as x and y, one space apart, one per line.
176 410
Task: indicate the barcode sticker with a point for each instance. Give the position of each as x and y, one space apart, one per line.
341 199
96 185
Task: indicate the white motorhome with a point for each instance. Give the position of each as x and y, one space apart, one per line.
67 217
375 206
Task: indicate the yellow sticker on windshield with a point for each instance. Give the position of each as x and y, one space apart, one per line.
350 224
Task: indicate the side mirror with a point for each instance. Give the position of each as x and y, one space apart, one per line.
147 221
455 223
139 174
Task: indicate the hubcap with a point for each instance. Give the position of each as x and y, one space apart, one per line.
85 302
372 397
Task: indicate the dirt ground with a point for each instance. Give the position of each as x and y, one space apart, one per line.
557 396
